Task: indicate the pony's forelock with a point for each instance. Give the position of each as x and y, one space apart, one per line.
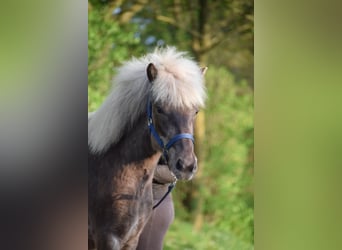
179 84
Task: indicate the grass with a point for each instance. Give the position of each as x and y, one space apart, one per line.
181 236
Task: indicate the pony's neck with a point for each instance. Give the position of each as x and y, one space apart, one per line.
135 145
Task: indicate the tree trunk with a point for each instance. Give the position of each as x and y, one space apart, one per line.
200 136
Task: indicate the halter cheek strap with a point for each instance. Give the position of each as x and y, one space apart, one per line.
154 132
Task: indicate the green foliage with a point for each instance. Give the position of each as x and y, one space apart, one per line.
182 236
109 44
229 160
227 179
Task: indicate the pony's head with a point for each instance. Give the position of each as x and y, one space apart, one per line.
172 86
176 94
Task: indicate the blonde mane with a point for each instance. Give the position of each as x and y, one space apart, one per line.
179 84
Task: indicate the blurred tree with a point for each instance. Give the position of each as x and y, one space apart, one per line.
109 44
200 26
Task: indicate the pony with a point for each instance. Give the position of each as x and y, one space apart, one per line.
149 114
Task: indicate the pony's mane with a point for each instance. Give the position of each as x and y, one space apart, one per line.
179 84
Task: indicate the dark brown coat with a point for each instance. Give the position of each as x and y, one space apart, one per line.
120 190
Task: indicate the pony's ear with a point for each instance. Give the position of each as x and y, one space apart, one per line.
203 70
151 72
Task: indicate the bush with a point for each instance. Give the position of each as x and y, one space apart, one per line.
109 44
226 185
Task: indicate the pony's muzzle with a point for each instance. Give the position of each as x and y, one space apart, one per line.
183 161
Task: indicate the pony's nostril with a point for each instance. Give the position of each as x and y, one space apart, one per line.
192 167
183 166
179 165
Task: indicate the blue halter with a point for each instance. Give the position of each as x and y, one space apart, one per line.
154 132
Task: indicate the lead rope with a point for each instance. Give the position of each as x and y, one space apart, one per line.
169 189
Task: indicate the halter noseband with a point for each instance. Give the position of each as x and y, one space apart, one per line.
154 132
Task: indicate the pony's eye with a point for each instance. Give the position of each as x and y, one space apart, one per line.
159 110
196 112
